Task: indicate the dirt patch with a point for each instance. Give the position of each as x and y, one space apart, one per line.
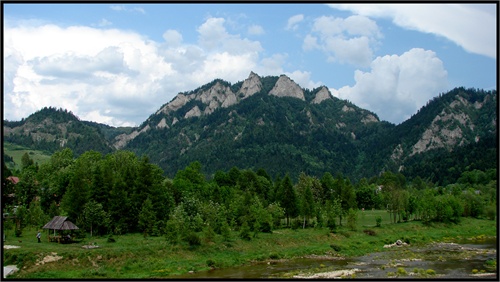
50 258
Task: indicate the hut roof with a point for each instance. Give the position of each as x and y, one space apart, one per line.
60 223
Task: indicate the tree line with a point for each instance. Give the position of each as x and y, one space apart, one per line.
120 193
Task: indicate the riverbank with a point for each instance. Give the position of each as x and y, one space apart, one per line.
135 257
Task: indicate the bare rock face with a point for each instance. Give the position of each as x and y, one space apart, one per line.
285 87
122 139
250 86
347 109
322 95
219 93
163 124
177 103
437 136
369 118
194 112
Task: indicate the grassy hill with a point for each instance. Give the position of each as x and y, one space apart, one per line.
16 152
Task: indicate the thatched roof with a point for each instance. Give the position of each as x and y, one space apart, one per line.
60 223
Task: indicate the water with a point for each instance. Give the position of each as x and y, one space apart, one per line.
448 260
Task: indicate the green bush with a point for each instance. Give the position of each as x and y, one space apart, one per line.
245 231
490 212
335 247
266 227
378 221
369 232
211 263
209 234
430 272
352 219
274 256
192 239
402 271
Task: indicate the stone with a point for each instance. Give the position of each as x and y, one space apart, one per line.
285 87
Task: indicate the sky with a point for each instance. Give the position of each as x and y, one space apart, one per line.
119 63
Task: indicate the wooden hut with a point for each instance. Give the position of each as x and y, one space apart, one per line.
59 223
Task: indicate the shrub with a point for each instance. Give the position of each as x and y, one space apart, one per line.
332 225
369 232
225 231
209 234
404 215
352 219
192 239
378 221
335 247
111 239
245 231
430 272
18 232
274 256
266 227
211 263
402 271
490 212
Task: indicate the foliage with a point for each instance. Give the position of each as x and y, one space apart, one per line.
245 231
352 219
93 216
147 217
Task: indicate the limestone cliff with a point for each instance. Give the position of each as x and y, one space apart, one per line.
322 95
285 87
250 86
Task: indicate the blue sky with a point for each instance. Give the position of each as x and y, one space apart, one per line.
118 63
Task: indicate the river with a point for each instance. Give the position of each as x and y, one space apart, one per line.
465 260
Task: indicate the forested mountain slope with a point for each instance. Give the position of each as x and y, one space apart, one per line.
52 129
272 123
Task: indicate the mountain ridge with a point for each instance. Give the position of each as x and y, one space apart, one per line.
219 93
271 122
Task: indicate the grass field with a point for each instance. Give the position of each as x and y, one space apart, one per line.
133 256
16 152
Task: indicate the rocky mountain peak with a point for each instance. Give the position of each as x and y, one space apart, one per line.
250 86
285 87
322 95
217 96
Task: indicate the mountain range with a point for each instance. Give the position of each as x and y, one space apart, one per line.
272 123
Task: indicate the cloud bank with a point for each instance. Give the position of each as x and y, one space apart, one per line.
119 77
472 26
397 85
348 40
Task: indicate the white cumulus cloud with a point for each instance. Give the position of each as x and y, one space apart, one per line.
293 22
398 85
172 37
471 26
255 30
348 40
119 77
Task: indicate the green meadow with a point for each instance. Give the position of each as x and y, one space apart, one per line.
17 151
135 256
